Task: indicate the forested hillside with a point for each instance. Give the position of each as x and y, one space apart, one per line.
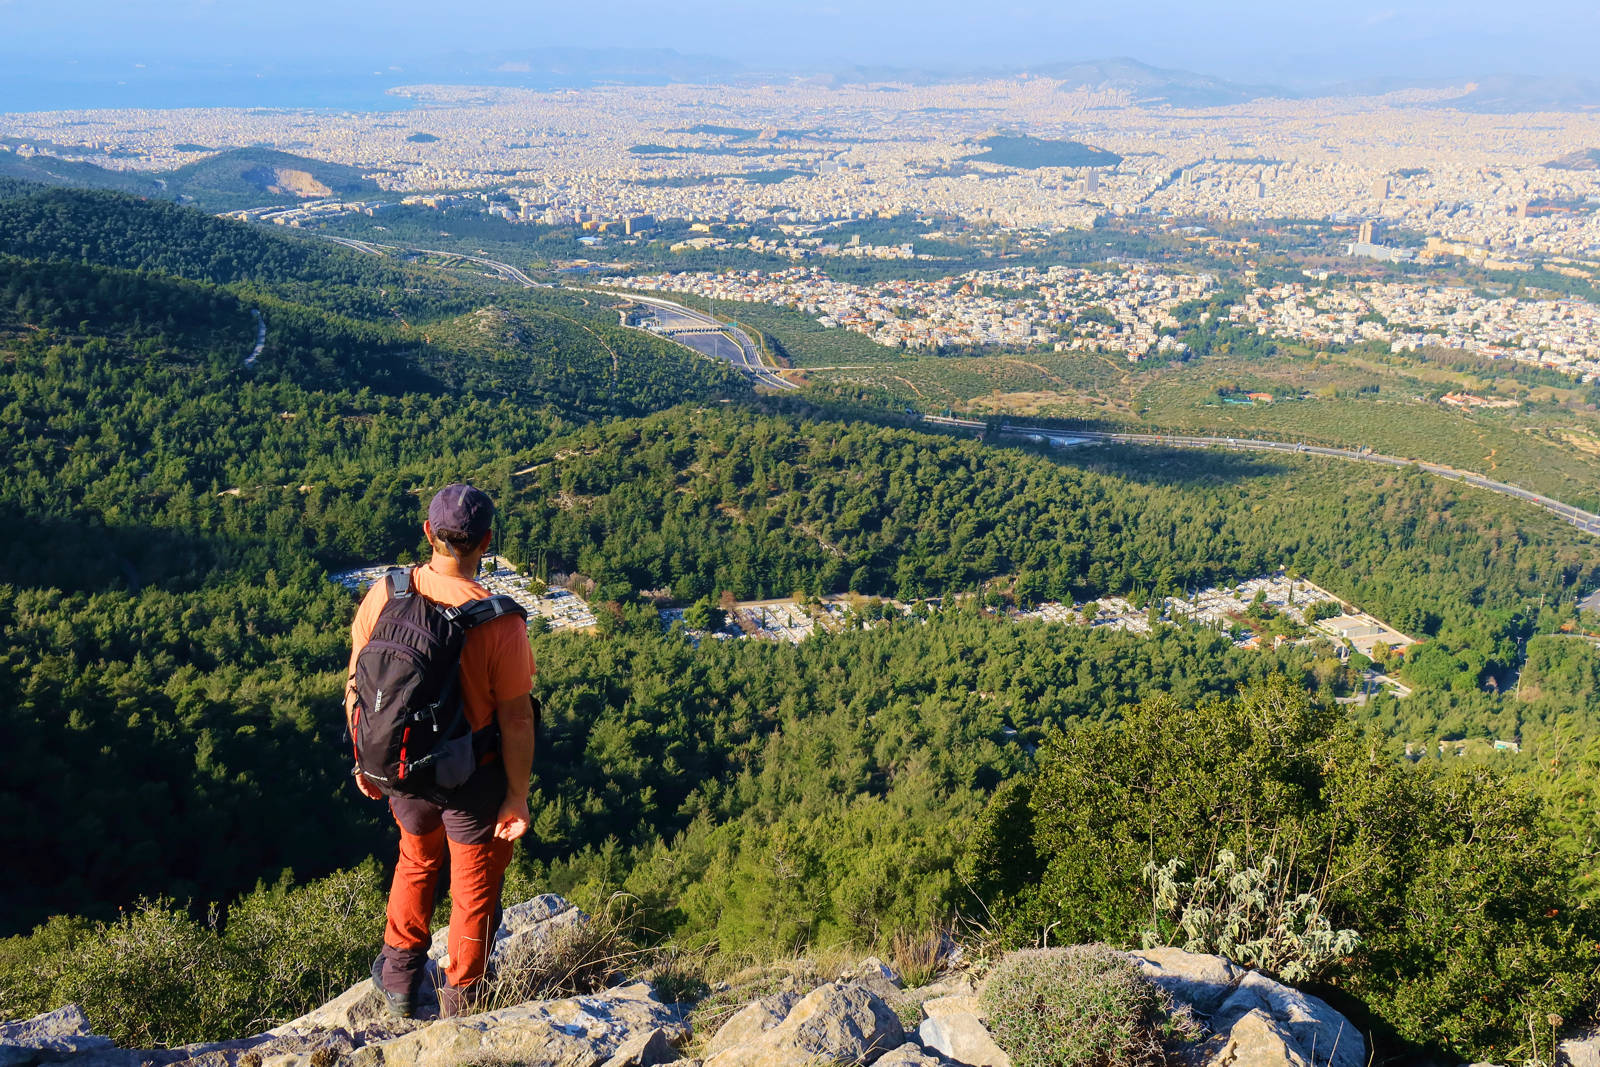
174 512
174 652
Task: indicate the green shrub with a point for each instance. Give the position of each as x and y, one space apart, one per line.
155 976
1085 1006
158 976
1464 899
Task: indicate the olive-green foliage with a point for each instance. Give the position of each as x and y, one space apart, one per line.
173 645
157 975
1248 914
1404 852
1083 1006
767 798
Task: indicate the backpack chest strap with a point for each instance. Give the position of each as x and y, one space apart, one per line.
477 612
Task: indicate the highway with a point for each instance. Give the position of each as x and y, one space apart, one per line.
360 246
504 270
1586 521
701 332
698 326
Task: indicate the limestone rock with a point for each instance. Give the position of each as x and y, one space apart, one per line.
1255 1040
953 1026
51 1036
1579 1051
525 928
874 968
578 1032
645 1050
751 1021
1192 978
1320 1035
358 1011
837 1023
910 1054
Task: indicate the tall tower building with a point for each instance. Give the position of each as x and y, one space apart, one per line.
1380 189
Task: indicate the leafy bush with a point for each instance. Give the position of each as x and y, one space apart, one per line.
1085 1005
158 976
1248 914
1465 902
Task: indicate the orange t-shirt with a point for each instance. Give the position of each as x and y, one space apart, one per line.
496 659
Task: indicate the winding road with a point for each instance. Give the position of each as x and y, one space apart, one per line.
1586 521
723 340
742 352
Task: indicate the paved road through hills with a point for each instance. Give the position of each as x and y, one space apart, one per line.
712 337
1586 521
692 329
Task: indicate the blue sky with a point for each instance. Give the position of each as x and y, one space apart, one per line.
1247 40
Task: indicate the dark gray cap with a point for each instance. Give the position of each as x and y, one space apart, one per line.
460 512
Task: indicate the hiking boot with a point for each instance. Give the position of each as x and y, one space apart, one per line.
399 1005
459 1000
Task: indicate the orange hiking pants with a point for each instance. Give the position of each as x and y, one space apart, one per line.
478 863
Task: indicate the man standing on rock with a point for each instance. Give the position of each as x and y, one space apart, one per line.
480 819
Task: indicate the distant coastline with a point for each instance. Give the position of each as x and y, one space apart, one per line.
21 93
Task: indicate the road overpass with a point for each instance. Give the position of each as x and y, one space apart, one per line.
741 352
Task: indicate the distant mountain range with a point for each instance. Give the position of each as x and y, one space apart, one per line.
240 177
1162 86
1156 85
42 84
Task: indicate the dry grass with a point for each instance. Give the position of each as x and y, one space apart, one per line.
575 960
919 957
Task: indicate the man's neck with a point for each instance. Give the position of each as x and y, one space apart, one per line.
451 567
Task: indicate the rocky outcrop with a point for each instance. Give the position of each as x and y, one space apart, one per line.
751 1021
1580 1050
1255 1022
49 1037
1252 1021
285 181
627 1026
835 1023
953 1026
579 1032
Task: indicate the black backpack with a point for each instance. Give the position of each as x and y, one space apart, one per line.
410 728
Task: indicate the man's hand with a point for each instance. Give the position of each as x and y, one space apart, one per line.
512 822
368 790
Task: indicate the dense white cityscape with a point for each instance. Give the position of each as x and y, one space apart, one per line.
1406 174
684 151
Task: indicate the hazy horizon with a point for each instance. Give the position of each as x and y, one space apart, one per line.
195 52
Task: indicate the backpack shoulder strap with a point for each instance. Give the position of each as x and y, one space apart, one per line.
399 582
477 612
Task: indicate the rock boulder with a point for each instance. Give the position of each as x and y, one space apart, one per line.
954 1027
751 1021
834 1023
49 1037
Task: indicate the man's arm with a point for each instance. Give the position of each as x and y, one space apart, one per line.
516 752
